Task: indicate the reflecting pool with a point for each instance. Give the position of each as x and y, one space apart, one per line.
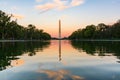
60 60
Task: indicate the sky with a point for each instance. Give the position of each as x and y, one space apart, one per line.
74 14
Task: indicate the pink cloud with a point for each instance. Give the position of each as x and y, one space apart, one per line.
46 6
77 2
59 5
18 16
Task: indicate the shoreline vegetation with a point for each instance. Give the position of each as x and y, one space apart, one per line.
85 40
100 32
11 30
23 40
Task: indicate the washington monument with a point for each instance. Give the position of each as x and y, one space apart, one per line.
59 29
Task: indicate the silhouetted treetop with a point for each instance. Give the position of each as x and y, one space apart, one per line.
10 29
101 31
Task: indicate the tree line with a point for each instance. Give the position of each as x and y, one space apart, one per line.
101 31
10 29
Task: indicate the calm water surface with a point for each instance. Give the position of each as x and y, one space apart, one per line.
60 60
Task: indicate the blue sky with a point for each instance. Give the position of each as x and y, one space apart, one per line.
75 14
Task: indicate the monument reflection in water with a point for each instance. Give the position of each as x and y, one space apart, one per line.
60 60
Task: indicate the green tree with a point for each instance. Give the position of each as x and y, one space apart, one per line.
89 31
4 22
31 29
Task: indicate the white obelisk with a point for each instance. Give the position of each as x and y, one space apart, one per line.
59 29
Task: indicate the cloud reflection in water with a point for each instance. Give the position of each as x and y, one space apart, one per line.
58 75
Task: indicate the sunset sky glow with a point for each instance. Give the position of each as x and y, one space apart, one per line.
74 14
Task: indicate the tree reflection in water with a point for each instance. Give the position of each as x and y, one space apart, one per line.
10 51
99 48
